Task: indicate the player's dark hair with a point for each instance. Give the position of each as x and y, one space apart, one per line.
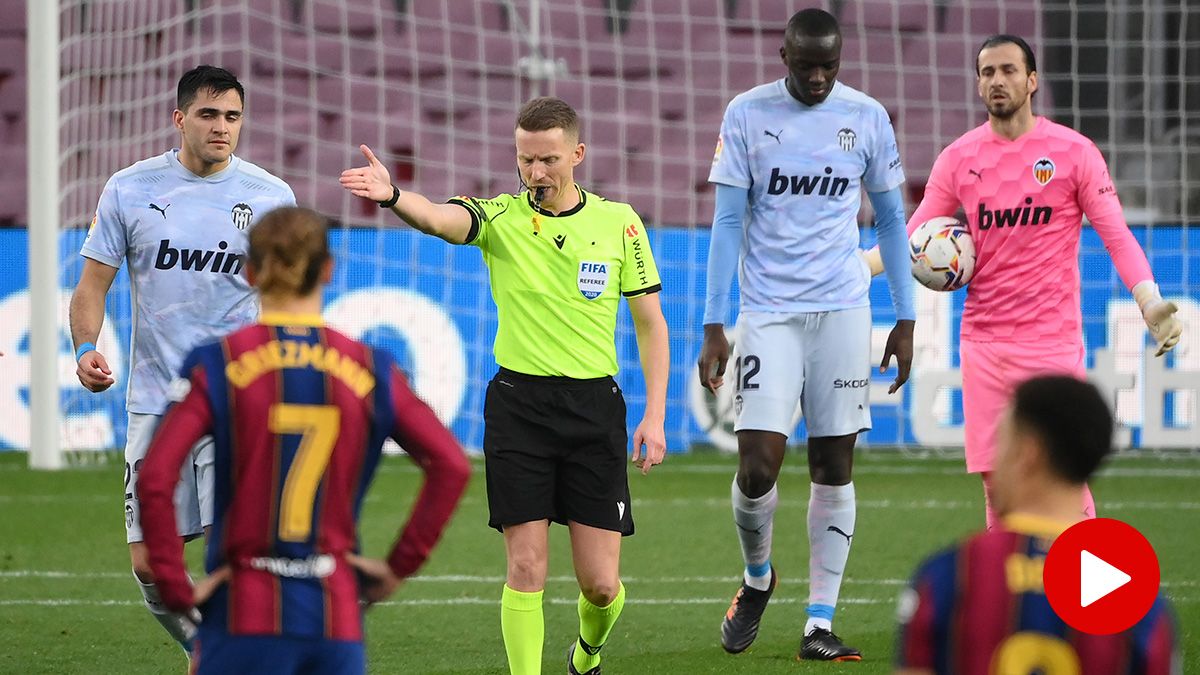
1071 419
1006 39
813 23
217 80
546 113
288 247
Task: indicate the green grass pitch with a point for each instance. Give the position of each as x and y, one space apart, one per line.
68 605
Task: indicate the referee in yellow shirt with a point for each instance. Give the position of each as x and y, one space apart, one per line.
555 443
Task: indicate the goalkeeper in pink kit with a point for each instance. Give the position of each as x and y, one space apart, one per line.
1025 184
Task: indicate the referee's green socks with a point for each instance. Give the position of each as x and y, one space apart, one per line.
524 630
595 623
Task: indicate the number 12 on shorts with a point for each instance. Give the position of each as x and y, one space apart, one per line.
745 370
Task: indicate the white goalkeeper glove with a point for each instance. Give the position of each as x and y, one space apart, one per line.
1159 316
874 260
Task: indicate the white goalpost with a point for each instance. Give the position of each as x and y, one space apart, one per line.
43 189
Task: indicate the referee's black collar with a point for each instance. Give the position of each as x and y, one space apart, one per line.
570 212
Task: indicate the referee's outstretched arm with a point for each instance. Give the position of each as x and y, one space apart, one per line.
445 221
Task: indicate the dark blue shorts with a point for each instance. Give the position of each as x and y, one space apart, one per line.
225 654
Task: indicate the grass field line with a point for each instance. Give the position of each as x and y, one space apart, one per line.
918 504
496 579
416 602
866 468
713 502
447 602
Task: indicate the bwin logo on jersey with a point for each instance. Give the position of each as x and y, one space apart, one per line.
198 260
825 186
592 279
846 138
242 213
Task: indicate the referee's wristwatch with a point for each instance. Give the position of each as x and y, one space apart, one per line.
391 202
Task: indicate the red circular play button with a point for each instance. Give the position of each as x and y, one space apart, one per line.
1101 576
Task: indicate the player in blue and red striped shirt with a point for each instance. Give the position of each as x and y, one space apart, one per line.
980 608
298 413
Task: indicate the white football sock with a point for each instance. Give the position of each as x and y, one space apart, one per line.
178 626
754 519
831 515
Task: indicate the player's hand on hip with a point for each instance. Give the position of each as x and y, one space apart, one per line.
714 354
371 181
93 372
649 434
1165 327
204 589
376 580
899 345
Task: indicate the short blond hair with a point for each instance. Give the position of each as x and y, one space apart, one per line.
548 112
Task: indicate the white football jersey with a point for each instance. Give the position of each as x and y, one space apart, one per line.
184 238
805 168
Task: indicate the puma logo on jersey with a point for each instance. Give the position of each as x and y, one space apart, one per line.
160 209
198 260
975 173
1027 215
827 185
775 135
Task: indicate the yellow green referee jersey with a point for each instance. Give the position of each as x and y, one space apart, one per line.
557 279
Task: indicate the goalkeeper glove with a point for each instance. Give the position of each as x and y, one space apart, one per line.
1159 316
874 260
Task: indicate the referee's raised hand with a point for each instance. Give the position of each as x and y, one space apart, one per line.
371 181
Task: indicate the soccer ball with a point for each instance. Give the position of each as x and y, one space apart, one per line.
943 254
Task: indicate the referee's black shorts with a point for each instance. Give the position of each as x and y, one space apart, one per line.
555 449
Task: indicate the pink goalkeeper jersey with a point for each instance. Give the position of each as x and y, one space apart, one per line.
1025 201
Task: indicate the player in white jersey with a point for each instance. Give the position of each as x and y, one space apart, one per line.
180 221
793 158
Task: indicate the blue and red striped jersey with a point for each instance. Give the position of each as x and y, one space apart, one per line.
981 605
298 413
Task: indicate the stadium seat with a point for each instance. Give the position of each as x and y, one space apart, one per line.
982 19
14 203
664 27
290 56
764 17
889 15
13 92
12 55
356 18
483 15
14 22
140 17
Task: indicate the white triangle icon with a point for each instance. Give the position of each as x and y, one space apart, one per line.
1097 578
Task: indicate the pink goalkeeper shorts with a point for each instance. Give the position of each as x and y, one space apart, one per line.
991 372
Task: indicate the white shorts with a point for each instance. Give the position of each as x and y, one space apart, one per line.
821 360
193 494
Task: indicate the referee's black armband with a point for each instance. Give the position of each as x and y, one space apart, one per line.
474 209
642 291
391 202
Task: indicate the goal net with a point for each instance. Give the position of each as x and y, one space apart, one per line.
433 87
